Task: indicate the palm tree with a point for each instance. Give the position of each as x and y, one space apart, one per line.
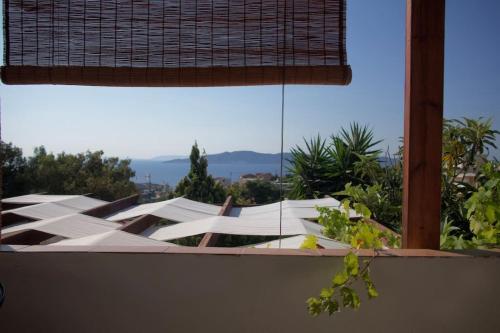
308 168
353 156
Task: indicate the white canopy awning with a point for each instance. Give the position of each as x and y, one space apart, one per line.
177 210
69 226
113 238
234 226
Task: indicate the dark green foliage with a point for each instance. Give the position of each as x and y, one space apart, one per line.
198 185
309 170
466 145
13 170
242 240
188 241
85 173
255 192
321 169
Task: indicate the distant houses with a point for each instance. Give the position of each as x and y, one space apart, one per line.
268 177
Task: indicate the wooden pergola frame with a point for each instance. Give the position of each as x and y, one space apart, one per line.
423 121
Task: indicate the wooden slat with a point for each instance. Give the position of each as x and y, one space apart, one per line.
112 207
210 239
423 123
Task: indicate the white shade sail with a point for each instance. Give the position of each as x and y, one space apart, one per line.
113 238
49 206
177 210
303 209
42 211
69 226
234 226
30 199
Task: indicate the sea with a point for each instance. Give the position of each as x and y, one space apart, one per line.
172 173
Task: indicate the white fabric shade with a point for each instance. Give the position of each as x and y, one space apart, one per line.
234 226
77 201
81 203
303 209
176 210
52 206
30 199
69 226
113 238
42 211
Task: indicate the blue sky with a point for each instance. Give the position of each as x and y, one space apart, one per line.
143 123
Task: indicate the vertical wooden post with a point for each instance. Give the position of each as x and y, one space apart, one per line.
210 239
423 123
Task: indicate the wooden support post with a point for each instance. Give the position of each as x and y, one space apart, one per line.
210 239
423 123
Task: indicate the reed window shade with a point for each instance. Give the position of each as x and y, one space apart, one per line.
162 43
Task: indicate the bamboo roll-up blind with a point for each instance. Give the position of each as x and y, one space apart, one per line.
175 42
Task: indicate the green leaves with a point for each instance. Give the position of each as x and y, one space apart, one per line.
359 234
341 290
351 264
350 298
340 279
310 243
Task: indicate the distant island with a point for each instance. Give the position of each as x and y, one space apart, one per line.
239 157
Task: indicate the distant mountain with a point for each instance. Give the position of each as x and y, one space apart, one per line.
167 157
240 157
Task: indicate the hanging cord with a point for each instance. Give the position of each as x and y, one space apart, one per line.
282 121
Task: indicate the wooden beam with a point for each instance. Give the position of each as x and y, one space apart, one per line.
423 123
12 218
138 225
210 239
112 207
25 237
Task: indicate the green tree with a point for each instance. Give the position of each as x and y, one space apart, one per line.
255 192
107 178
198 184
13 170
